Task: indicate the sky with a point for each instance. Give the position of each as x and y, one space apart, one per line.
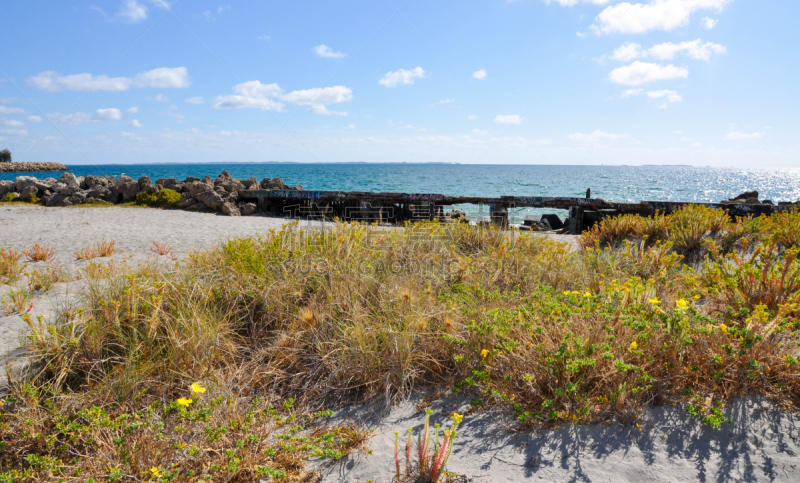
575 82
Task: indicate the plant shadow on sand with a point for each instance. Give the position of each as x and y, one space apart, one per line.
762 443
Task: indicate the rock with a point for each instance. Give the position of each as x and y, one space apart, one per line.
223 176
752 201
197 187
99 192
166 182
275 184
44 185
55 200
180 187
230 185
199 206
28 192
127 190
189 179
296 187
767 202
230 209
81 182
247 209
123 179
153 188
144 182
68 178
21 182
250 182
92 181
746 195
265 183
207 180
457 214
6 187
66 189
185 203
211 199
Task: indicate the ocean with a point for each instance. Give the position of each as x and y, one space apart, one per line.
615 183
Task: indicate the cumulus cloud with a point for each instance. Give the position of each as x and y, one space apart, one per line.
7 100
637 18
639 73
740 136
479 74
134 123
33 119
402 76
709 23
669 97
11 110
11 123
132 110
632 93
325 51
158 98
694 49
132 11
509 119
267 97
162 77
110 114
596 137
194 100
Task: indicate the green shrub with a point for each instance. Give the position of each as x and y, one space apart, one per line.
9 197
166 197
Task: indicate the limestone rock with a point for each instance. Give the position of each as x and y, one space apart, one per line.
211 199
247 209
251 183
28 192
197 187
122 179
144 182
68 178
207 180
185 203
230 209
746 195
6 187
22 182
166 182
223 176
126 190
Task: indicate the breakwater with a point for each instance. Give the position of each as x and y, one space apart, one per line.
31 167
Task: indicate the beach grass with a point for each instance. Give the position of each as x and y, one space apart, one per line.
689 308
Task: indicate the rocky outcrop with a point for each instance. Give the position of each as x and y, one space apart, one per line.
207 194
23 167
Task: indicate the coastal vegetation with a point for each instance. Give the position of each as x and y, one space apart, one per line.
5 156
224 366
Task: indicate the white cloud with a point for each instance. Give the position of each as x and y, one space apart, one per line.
158 98
669 97
7 100
132 11
709 23
639 73
472 117
694 49
265 38
631 93
254 94
194 100
402 76
325 51
110 114
11 110
132 110
33 119
740 136
134 123
11 123
509 119
479 74
596 137
637 18
162 77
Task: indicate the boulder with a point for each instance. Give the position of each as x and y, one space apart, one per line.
251 183
189 179
28 192
207 180
180 187
153 188
123 179
199 206
230 185
21 182
185 203
223 176
66 189
44 185
247 209
197 187
92 181
81 182
98 192
144 182
166 182
767 202
6 187
746 195
230 209
55 199
126 190
68 178
752 201
211 199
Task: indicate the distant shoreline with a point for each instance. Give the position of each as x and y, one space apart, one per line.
31 167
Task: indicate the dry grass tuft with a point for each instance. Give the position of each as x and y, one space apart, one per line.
39 253
10 269
99 249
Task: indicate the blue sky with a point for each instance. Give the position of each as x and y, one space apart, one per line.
702 82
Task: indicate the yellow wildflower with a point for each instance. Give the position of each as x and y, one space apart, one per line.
697 297
723 327
634 345
682 304
484 353
587 294
567 292
155 471
654 301
457 419
184 402
197 388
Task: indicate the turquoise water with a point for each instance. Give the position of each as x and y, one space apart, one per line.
617 183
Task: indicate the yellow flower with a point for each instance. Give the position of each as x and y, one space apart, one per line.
567 292
484 353
634 345
457 419
197 388
723 327
587 294
184 402
682 304
155 471
654 301
697 297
